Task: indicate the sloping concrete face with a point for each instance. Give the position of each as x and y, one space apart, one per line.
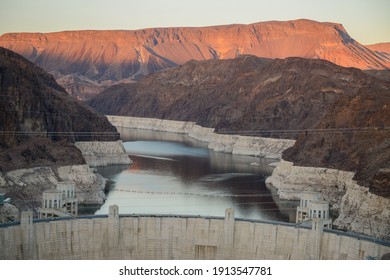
169 238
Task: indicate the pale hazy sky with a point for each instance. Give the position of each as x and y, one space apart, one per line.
367 21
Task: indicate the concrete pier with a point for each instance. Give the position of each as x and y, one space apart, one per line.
27 233
177 237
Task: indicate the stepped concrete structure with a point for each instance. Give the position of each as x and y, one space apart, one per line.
59 202
312 207
178 237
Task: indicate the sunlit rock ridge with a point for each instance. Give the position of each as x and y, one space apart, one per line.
85 62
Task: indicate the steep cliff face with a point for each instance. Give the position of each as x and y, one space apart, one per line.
87 61
38 119
338 115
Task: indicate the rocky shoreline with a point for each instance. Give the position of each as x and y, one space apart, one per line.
25 186
357 209
234 144
103 153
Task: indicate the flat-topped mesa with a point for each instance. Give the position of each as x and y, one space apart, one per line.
107 57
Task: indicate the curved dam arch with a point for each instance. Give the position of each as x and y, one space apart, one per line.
177 237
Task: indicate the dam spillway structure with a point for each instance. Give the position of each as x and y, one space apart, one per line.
169 237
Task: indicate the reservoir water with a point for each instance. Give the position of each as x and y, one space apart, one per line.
174 174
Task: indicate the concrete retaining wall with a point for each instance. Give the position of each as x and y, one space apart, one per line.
235 144
148 237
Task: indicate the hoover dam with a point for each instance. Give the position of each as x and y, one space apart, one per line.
178 237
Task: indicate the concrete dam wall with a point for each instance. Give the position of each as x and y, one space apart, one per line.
172 237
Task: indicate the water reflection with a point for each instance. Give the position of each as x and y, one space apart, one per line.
163 148
171 177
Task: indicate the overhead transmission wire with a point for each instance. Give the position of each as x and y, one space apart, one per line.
238 132
332 130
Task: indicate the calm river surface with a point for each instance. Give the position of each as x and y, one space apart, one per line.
174 174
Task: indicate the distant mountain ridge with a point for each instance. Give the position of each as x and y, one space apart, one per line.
85 62
380 47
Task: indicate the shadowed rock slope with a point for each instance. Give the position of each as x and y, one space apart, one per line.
39 120
85 62
339 116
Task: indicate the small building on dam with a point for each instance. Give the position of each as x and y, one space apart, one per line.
178 237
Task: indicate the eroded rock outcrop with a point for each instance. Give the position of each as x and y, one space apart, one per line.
25 186
8 213
357 209
103 153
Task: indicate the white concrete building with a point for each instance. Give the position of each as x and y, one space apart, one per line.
60 202
68 197
312 207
